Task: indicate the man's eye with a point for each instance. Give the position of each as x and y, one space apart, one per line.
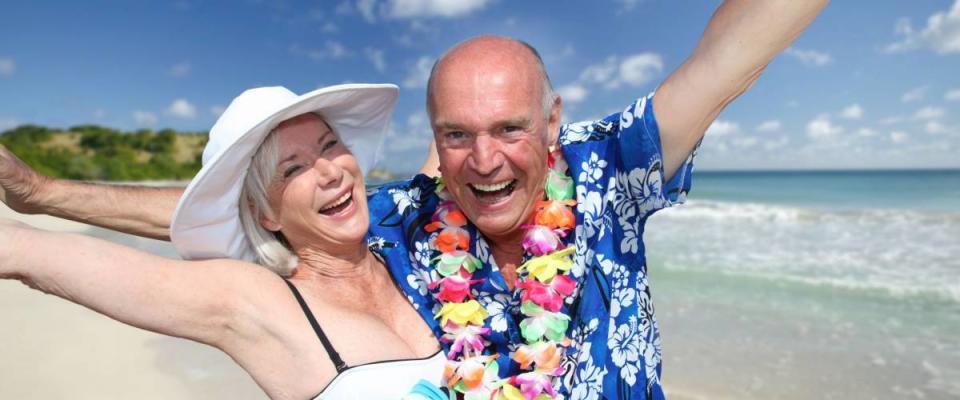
512 129
291 171
454 135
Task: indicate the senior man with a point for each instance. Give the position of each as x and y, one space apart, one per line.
494 117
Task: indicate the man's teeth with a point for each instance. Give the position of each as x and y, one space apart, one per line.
341 200
492 187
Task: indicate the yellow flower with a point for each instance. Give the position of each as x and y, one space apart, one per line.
462 313
544 268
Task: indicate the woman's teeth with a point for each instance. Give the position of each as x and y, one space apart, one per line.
339 202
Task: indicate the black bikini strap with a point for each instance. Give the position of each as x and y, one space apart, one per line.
334 356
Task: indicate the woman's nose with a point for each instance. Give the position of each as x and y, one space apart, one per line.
327 172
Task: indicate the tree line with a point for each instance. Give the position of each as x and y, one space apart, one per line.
91 152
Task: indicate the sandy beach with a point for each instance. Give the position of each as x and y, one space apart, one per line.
54 349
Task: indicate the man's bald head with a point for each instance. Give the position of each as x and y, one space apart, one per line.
494 53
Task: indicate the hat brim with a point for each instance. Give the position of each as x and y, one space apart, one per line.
206 222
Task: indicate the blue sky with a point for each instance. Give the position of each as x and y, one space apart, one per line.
862 88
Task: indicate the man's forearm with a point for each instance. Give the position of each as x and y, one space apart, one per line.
138 210
742 37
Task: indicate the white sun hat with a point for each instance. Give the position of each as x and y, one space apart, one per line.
206 223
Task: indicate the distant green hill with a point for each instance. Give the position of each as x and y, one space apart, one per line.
91 152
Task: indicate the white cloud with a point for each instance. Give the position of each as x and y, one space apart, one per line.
431 8
929 112
773 144
639 69
180 69
953 94
866 132
810 57
144 118
722 128
746 142
8 123
419 74
7 67
934 127
853 111
899 136
600 73
941 34
629 4
181 108
366 8
634 70
376 58
217 110
573 93
822 128
331 50
772 125
914 94
329 27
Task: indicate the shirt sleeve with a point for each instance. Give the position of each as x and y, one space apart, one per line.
640 148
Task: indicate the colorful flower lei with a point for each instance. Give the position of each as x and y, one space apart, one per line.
545 288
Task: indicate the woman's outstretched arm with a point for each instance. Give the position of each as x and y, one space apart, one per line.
197 300
137 210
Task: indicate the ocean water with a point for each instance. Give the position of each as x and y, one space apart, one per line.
811 284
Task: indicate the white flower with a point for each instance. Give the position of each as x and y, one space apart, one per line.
588 383
625 350
405 198
590 204
496 306
576 132
423 253
592 169
420 279
624 347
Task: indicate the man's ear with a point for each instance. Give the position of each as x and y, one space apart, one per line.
553 122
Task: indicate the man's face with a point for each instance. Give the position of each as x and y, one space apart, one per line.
492 137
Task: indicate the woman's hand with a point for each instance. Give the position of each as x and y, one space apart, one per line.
19 184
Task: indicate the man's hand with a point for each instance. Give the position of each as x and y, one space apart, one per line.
19 184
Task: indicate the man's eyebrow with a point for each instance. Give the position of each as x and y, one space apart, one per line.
515 121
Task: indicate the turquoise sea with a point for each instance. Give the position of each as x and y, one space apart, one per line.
826 284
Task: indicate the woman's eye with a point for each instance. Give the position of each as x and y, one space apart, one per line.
329 145
291 171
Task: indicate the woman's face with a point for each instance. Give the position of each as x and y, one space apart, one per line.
317 191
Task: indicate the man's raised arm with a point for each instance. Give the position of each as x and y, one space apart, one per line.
142 211
741 38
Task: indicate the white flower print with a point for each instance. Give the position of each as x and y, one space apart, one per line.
625 349
405 198
590 204
423 254
576 132
592 169
416 306
629 224
588 382
496 306
419 279
623 345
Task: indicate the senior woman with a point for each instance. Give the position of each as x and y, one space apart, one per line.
320 313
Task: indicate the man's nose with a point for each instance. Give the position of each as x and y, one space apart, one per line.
485 155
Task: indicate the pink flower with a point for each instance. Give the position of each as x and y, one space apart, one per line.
540 240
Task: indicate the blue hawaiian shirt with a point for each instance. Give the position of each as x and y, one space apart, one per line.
616 163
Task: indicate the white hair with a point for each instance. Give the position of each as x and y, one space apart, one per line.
271 248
